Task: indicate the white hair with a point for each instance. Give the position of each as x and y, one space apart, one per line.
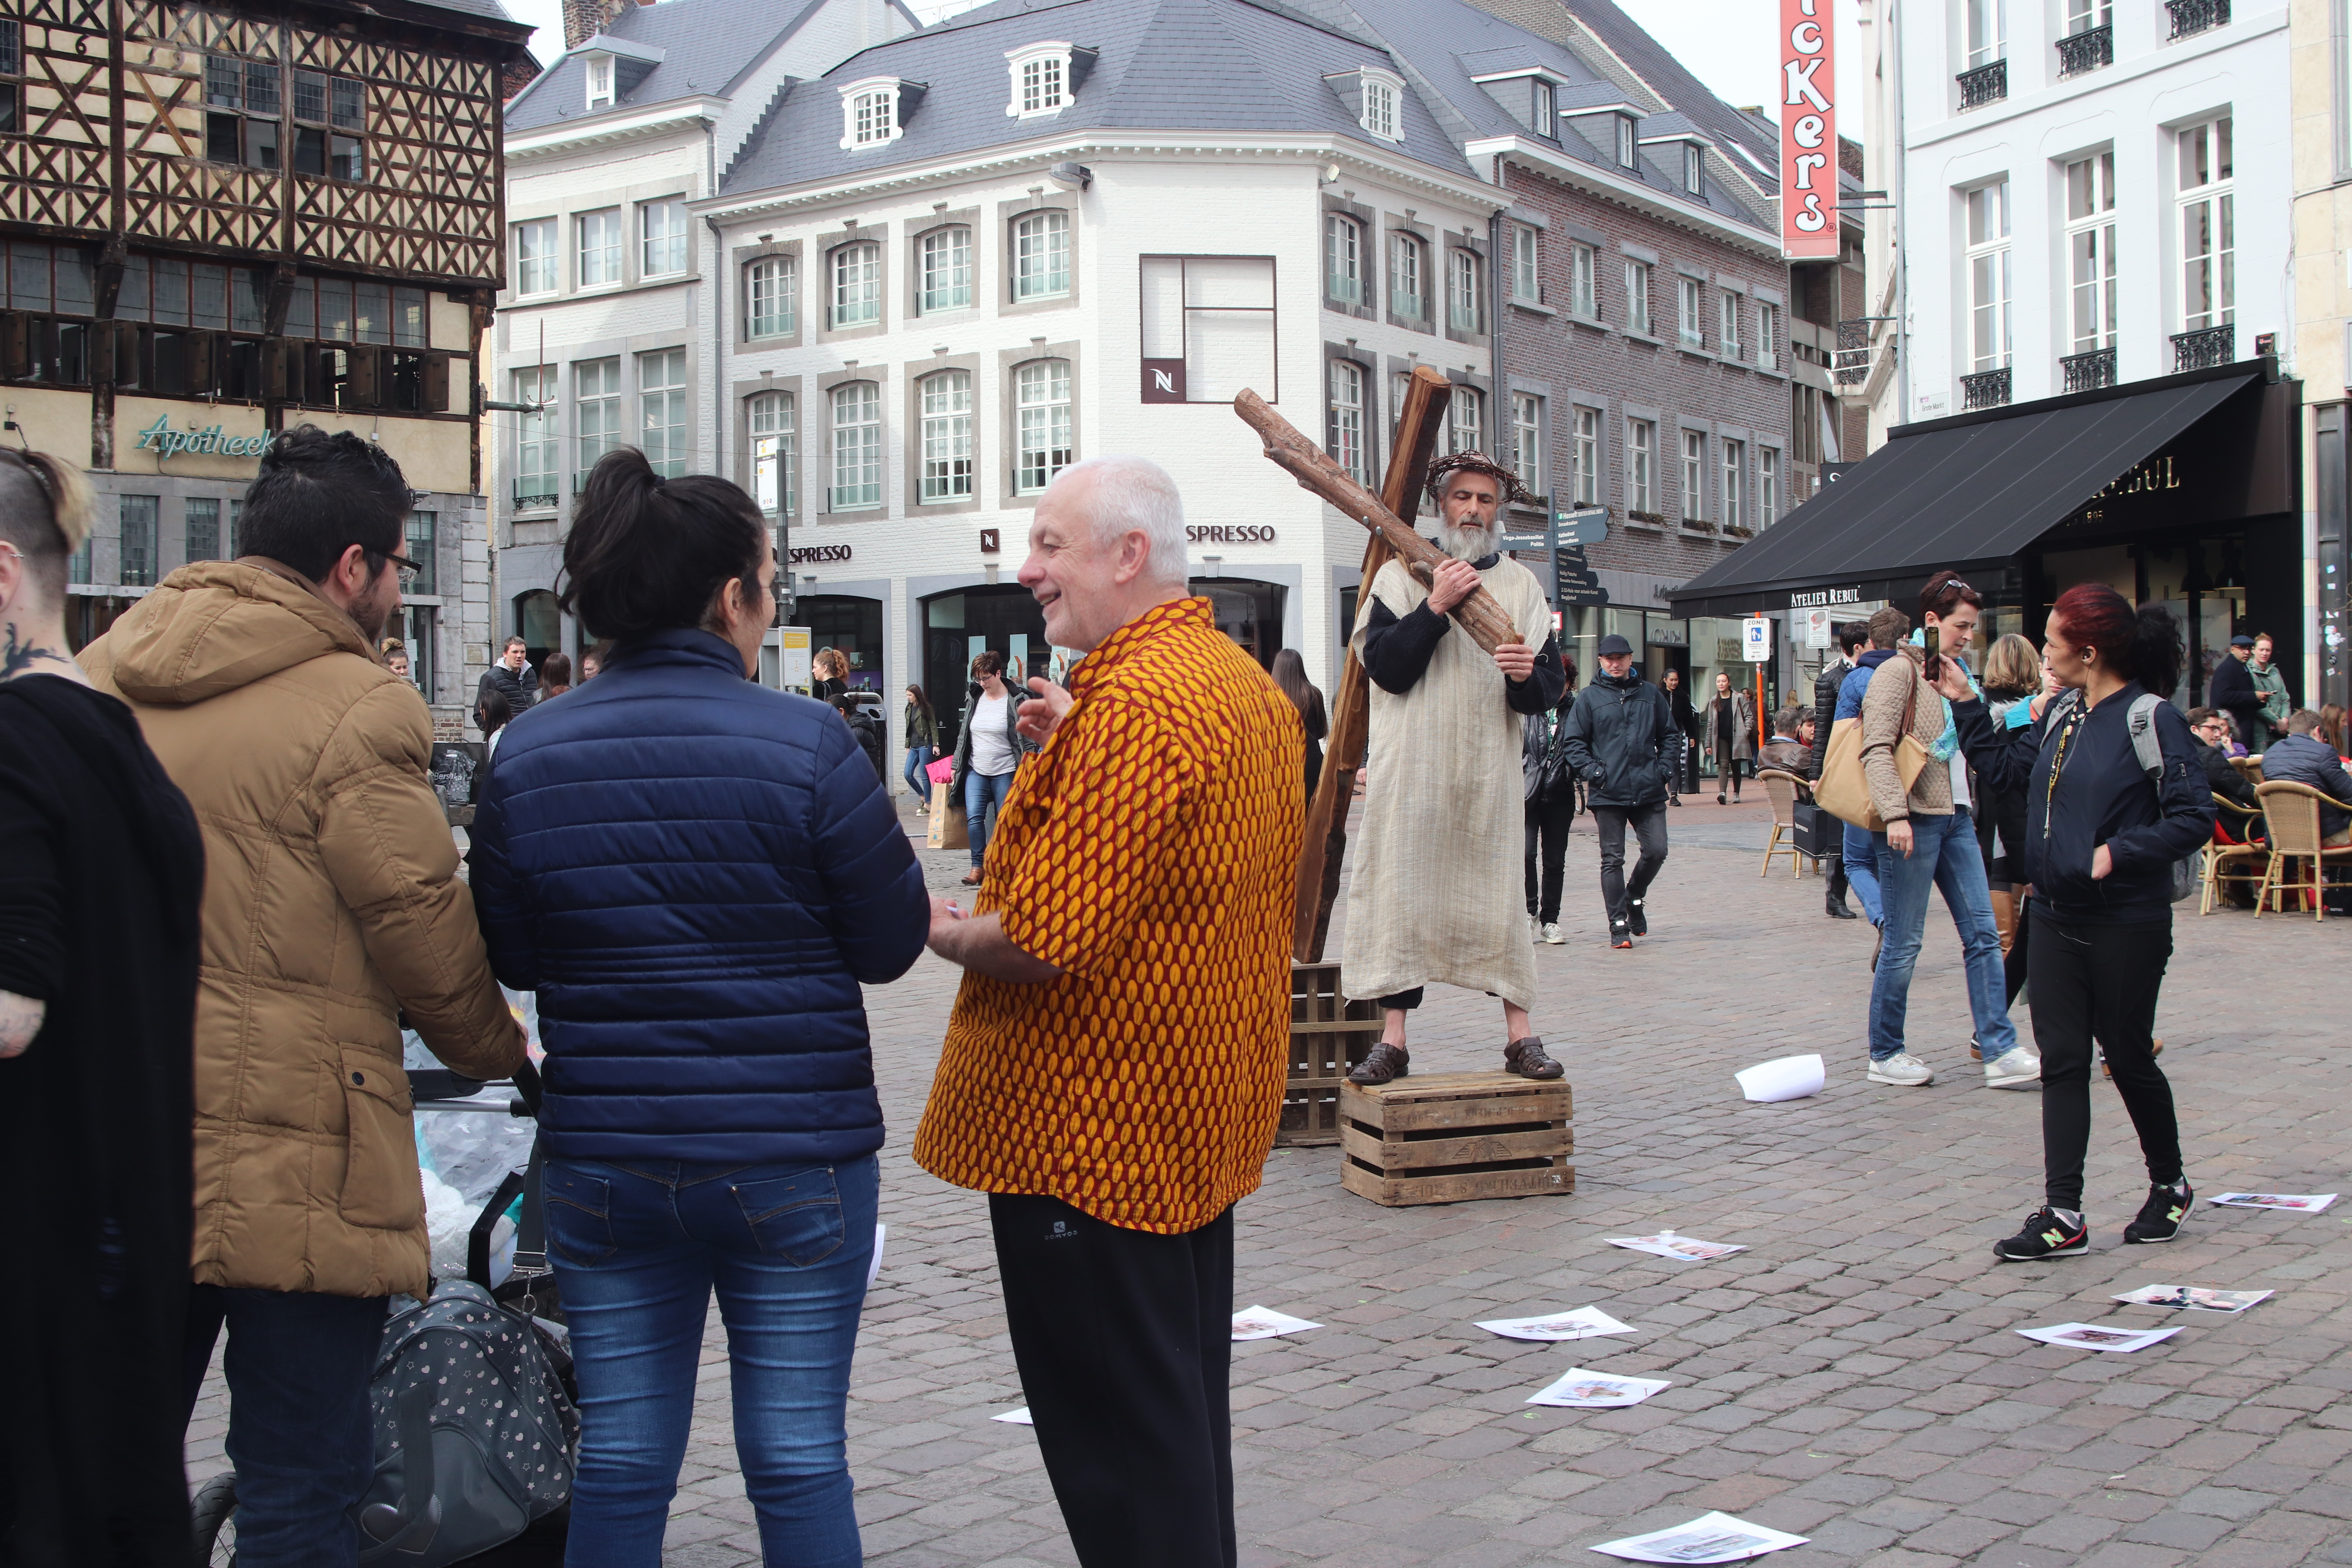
1135 495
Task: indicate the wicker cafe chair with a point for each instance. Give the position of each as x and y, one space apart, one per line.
2216 857
2292 813
2251 766
1783 787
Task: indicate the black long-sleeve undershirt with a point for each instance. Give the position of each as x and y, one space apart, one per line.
1398 648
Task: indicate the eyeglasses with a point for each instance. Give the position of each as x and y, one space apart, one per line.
409 570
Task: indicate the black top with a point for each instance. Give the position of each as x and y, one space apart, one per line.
1397 651
100 872
2235 693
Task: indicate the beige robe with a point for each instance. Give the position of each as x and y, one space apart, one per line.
1436 895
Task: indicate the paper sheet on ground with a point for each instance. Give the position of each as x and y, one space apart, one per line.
1681 1248
2193 1298
1264 1323
1710 1538
2098 1336
1018 1418
1581 1390
2299 1203
1581 1323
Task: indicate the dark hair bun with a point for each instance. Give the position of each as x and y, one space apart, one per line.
648 554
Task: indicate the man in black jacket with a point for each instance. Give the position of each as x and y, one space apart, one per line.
512 678
2235 693
1850 635
1622 739
2212 728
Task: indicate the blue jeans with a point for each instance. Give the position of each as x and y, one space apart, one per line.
1862 872
984 795
637 1248
299 1432
1944 854
918 758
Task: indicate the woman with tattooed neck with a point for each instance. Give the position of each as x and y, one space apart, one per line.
100 870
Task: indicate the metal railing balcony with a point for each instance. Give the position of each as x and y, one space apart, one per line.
2191 17
2204 348
1986 84
2086 50
2090 370
1986 389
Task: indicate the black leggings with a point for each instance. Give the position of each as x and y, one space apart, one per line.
1547 824
2102 980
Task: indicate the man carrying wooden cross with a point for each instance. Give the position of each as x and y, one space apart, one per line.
1435 896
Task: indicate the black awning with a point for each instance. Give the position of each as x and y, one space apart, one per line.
1966 492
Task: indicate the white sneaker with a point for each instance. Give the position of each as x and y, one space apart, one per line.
1903 1069
1553 934
1535 929
2014 1070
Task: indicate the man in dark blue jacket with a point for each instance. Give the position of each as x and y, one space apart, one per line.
2296 757
1622 739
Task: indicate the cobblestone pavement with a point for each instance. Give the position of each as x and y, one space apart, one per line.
1851 1377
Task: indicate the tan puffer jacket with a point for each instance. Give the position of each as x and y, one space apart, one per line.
332 901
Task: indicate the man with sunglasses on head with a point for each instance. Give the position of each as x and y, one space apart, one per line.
332 905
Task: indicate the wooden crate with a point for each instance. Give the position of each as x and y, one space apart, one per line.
1452 1137
1329 1036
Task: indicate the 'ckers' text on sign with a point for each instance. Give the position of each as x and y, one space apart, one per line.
1808 145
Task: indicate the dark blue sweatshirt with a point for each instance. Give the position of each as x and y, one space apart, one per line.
2101 797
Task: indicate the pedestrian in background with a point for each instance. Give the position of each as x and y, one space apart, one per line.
864 727
512 677
1548 782
1686 729
491 717
99 893
1888 629
2102 835
395 654
987 752
1621 737
1851 637
828 674
2300 757
554 675
332 908
1731 727
2012 677
1145 874
592 661
2210 727
2234 693
921 728
1930 846
1788 750
2270 683
2331 726
697 917
1290 674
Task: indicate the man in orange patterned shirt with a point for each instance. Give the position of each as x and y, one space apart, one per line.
1113 1070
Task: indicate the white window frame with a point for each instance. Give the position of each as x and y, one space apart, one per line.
1693 169
773 417
2206 224
536 269
1465 420
856 409
1735 482
950 472
1584 458
1465 293
1584 296
2090 282
595 413
1040 80
2083 15
1985 32
1527 276
1408 276
1726 311
1767 335
1694 476
1986 225
539 440
1527 442
853 285
1345 424
1044 425
945 276
1768 487
771 298
661 238
601 93
1547 108
1690 312
1343 260
1381 110
664 431
597 237
1040 255
1629 152
870 113
1641 467
1637 296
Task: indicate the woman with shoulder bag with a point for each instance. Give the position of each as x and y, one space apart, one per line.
987 752
1550 786
2103 833
922 733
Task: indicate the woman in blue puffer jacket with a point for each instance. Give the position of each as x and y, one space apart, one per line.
696 874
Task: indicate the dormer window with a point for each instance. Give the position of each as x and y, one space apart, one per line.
1044 77
600 82
1693 169
1625 141
1547 116
874 111
1379 115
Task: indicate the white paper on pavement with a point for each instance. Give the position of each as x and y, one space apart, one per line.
2193 1298
1581 1323
1581 1390
2117 1337
2298 1202
1789 1078
1681 1248
1710 1538
1018 1418
1266 1323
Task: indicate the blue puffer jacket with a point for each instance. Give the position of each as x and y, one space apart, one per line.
694 873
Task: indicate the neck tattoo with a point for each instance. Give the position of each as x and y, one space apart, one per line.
20 657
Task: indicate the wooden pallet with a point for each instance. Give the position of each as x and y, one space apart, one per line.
1452 1137
1329 1036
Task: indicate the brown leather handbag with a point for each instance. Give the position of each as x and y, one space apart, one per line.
1844 789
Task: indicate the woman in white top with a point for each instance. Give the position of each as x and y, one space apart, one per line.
986 754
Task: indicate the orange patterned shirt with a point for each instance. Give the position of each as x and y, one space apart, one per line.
1150 852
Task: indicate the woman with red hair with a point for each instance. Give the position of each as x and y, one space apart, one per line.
2103 832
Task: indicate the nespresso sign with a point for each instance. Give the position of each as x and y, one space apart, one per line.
816 554
165 442
1242 533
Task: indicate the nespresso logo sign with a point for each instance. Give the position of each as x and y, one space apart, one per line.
165 442
1244 533
811 554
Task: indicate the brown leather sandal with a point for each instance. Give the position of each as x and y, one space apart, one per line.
1529 1059
1383 1063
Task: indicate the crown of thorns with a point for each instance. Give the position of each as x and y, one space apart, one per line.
1445 467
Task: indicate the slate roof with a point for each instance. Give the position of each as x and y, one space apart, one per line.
489 10
706 45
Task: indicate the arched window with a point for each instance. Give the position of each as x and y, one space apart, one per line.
775 441
1042 404
1346 419
857 445
947 436
772 287
946 269
1343 260
857 286
1040 255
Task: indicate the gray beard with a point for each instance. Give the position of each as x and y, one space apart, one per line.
1467 543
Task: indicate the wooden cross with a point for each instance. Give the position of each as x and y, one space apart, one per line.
1388 516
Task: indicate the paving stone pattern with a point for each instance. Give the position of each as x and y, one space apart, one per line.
1851 1377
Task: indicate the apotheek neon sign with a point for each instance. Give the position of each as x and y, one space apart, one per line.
165 442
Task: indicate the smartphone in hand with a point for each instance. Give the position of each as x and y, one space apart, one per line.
1935 668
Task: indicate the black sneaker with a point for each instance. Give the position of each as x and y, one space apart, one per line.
2044 1236
1619 933
1636 920
2159 1217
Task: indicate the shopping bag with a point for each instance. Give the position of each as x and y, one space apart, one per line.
948 831
940 772
1843 790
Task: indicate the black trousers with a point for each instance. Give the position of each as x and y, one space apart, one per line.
1547 824
2099 981
1648 822
1125 1343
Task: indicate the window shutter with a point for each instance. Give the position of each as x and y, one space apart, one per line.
15 351
437 384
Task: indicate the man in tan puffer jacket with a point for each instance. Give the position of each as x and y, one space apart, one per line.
332 905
